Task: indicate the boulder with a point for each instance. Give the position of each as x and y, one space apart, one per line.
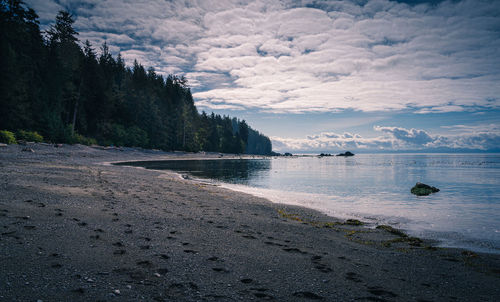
421 189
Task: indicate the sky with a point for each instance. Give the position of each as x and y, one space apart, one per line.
320 76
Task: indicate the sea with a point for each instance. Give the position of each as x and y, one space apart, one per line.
374 188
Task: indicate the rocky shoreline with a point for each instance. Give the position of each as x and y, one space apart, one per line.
74 228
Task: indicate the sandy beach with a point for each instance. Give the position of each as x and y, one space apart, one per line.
75 228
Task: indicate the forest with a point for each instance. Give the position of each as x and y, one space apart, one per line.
54 85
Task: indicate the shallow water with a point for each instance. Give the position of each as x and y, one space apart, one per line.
375 188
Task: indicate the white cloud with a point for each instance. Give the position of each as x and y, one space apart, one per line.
411 136
480 137
330 56
331 142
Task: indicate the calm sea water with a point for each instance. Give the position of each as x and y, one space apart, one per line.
375 188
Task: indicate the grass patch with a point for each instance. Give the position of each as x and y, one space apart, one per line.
353 222
329 225
29 136
413 241
7 137
392 230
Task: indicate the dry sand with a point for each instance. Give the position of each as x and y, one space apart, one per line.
75 229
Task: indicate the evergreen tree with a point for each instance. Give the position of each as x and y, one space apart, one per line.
65 92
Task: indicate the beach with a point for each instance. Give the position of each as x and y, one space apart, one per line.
76 228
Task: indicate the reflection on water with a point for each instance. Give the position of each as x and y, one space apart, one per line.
375 188
240 171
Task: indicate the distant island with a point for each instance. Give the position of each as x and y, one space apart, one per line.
56 91
348 153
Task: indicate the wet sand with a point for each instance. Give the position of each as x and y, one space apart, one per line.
75 229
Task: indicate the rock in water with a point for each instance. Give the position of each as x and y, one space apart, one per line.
421 189
348 153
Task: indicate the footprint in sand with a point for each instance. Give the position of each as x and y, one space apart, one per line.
316 260
294 250
38 204
351 276
379 291
273 243
260 293
323 268
246 281
162 271
307 295
79 290
144 263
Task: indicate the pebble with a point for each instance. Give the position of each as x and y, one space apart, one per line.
129 286
116 292
157 275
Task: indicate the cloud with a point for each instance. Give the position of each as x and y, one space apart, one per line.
486 128
480 137
412 136
308 56
328 141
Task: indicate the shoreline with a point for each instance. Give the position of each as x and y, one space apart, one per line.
67 219
442 239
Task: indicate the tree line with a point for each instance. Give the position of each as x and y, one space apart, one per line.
71 94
